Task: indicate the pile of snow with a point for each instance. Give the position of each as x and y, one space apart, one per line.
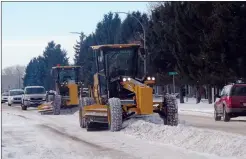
201 140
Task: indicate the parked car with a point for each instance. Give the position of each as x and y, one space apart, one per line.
33 96
15 96
5 96
231 102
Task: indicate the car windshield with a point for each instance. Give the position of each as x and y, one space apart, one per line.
121 62
239 90
35 91
14 93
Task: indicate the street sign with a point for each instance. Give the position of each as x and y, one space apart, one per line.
172 73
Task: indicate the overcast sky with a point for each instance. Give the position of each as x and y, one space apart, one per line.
27 27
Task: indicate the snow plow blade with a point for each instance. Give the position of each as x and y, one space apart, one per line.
45 107
96 113
94 116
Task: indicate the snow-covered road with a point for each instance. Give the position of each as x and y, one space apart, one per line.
29 135
236 125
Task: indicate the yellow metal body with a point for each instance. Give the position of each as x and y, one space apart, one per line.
144 98
73 95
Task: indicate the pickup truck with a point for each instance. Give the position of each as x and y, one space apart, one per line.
33 97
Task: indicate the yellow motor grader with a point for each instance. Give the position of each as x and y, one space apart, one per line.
120 90
67 90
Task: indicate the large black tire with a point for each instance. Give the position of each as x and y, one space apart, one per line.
57 105
216 117
226 116
84 102
171 106
115 114
50 97
24 107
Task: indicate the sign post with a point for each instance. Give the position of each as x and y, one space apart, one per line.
173 74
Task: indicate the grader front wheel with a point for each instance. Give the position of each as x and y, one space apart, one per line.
57 105
115 108
171 110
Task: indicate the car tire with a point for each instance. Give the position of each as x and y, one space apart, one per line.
226 116
9 104
216 117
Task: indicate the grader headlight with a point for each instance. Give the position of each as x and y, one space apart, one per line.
148 78
126 79
153 78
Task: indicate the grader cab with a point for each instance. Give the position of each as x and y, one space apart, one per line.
121 90
66 91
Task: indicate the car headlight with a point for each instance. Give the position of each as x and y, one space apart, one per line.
149 78
124 79
153 78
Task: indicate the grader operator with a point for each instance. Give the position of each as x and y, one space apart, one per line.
121 89
66 91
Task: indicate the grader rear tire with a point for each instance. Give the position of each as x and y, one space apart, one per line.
84 102
115 114
57 105
171 106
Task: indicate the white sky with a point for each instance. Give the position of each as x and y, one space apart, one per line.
27 27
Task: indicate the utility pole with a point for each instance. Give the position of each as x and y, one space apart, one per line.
19 78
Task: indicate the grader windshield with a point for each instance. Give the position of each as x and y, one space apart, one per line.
121 62
66 73
117 59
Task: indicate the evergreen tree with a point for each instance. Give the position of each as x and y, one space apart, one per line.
53 55
108 30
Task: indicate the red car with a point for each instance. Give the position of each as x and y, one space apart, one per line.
231 103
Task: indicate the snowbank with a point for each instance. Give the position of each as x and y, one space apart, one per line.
194 139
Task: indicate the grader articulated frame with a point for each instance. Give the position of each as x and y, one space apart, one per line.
119 91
